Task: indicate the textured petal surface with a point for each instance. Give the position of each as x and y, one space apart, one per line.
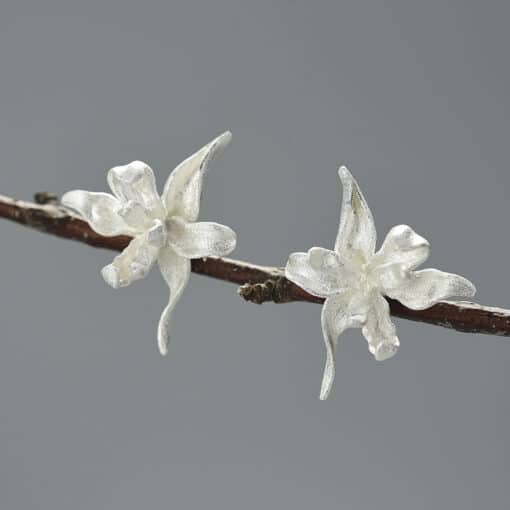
379 330
422 289
132 264
402 250
181 194
202 239
135 182
100 210
135 215
319 271
403 246
336 317
356 235
175 270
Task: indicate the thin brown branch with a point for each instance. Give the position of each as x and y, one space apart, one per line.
259 284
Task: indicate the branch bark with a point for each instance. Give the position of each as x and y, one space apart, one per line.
258 284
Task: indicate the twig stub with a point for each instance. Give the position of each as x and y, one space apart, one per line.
276 290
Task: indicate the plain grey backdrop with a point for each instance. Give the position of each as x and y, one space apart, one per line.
411 95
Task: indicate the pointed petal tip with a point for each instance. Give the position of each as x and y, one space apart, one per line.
223 140
326 385
111 276
344 173
328 376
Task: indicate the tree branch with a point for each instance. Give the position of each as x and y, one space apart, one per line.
259 284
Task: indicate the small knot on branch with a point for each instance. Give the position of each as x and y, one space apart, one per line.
275 290
45 197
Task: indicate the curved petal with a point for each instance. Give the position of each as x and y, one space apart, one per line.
403 246
336 317
181 194
320 272
175 270
100 210
136 182
356 233
202 239
132 264
379 330
422 289
402 250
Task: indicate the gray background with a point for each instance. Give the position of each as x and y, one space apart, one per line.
412 95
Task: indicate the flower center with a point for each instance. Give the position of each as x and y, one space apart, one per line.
157 235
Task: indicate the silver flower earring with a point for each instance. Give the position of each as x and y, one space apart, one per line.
354 279
164 229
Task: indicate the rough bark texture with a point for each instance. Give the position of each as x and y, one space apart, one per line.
258 284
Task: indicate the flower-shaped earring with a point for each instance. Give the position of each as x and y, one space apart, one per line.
354 279
164 229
